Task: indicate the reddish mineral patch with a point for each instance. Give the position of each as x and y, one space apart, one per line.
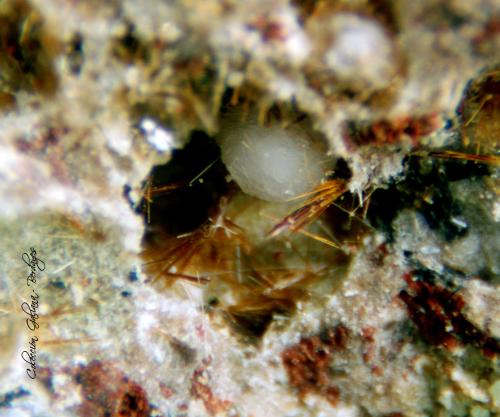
307 363
200 389
387 132
108 392
437 313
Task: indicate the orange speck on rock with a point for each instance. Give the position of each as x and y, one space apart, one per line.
270 30
166 391
368 333
377 371
200 389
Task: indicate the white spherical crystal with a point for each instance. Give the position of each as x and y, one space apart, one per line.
271 163
361 51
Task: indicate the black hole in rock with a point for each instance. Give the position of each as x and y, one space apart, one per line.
384 11
130 42
187 188
342 170
253 326
75 53
426 188
344 219
130 402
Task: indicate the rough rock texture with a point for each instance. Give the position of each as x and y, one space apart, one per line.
159 289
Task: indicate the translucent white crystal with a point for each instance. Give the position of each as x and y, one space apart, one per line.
361 51
271 163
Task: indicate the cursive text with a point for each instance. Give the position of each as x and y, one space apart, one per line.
30 357
34 263
31 311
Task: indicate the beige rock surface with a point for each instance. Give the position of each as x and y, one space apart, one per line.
384 319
